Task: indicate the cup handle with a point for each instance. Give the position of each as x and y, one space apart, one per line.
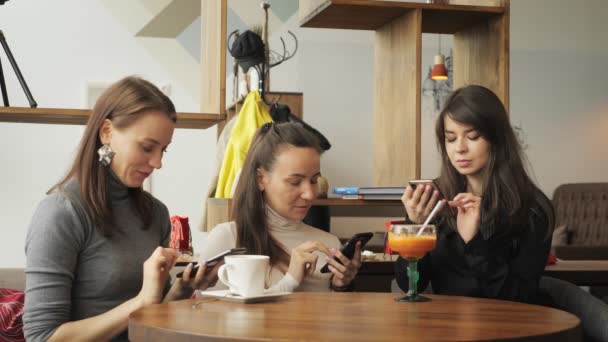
223 276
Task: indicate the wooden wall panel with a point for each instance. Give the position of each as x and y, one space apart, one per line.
213 56
397 100
481 56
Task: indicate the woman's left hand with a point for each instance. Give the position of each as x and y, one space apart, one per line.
184 287
468 214
345 273
204 277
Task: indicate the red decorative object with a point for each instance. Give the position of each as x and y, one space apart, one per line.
551 259
387 224
11 313
181 239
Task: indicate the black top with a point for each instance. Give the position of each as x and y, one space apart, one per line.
494 264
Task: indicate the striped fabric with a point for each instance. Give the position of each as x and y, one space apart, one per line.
11 313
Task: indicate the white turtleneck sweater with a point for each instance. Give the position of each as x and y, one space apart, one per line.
289 234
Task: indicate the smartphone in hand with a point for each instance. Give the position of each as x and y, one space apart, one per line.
348 249
416 182
216 259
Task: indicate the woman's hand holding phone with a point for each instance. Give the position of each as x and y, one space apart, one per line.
156 271
204 276
345 271
420 201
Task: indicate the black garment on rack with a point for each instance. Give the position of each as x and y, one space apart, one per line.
282 113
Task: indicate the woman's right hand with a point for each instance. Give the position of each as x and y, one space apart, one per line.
304 260
419 202
156 272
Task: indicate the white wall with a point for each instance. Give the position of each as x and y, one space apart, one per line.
559 82
559 88
60 46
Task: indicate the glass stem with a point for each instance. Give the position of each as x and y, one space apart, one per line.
412 274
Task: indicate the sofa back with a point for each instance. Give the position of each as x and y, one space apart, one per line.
583 208
12 278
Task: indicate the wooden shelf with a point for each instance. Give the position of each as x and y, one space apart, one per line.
371 15
80 116
344 202
324 201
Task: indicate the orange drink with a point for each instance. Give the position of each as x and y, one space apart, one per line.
412 242
411 246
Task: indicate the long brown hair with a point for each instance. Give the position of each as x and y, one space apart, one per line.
248 209
507 188
123 103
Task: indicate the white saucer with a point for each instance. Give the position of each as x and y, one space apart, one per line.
227 296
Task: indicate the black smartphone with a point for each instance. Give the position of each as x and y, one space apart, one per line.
415 182
214 260
348 249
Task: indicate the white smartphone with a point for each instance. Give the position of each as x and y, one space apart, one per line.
415 182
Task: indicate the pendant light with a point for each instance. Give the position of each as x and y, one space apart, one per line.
439 71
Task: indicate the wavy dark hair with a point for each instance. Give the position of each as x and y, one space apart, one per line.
123 103
508 191
248 208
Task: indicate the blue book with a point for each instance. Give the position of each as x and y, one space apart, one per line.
346 190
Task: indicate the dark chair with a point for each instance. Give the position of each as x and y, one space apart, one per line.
592 312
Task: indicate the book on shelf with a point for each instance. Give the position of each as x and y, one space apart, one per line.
369 190
373 197
345 190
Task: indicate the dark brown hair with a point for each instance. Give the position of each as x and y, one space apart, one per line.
248 209
123 103
507 188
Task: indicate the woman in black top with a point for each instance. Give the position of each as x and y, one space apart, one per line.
493 238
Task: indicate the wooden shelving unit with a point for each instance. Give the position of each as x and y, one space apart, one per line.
80 117
372 15
481 56
218 209
480 52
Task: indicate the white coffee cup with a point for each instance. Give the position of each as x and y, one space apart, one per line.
244 275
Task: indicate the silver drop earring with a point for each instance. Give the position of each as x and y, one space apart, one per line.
105 154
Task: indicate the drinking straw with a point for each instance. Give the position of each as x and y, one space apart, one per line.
431 215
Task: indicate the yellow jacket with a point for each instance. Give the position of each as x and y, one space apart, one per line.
253 114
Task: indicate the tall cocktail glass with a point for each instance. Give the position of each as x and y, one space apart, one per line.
412 244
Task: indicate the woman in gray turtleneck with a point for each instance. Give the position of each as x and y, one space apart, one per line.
96 244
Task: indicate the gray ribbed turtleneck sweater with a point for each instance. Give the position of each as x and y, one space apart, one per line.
74 272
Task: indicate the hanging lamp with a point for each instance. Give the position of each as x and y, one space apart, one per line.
439 71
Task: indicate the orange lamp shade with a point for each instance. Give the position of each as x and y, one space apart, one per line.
439 71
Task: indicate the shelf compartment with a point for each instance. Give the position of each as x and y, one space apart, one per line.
372 15
65 116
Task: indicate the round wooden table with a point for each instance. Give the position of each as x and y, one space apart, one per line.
352 316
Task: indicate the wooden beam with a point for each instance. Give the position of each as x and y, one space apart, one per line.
213 56
481 56
63 116
397 101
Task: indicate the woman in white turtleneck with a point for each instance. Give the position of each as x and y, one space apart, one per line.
275 190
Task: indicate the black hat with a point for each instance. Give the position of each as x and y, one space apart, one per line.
248 50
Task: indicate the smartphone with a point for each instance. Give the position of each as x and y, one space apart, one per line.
348 249
415 182
214 260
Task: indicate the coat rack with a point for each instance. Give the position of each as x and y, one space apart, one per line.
271 57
